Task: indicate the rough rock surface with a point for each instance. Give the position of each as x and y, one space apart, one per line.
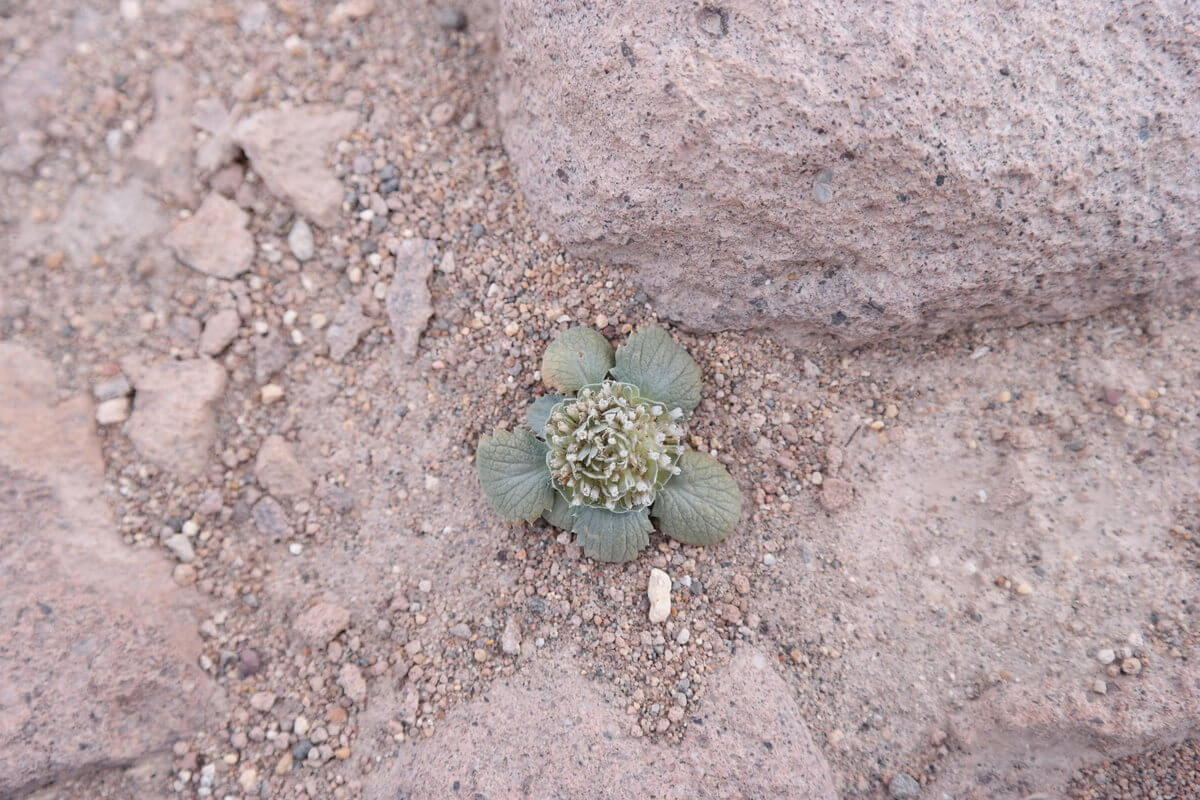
117 224
549 732
278 470
214 240
219 330
174 422
1014 523
347 328
26 95
319 624
799 169
289 148
98 647
211 116
409 303
163 150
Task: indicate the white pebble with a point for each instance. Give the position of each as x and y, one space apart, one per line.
1106 656
658 590
684 636
181 547
112 412
769 560
300 240
295 548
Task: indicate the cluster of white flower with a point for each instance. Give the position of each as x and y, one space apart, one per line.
610 448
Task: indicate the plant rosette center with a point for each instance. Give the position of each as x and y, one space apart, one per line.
611 448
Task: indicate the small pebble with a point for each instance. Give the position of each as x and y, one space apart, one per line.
181 546
658 590
903 786
450 18
184 574
510 639
300 240
262 701
249 662
113 412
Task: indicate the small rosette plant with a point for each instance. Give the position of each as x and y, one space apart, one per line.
608 453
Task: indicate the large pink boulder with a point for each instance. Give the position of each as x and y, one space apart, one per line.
862 171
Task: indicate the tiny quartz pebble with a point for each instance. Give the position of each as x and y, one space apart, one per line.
658 590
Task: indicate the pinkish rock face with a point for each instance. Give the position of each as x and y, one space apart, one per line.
549 732
99 648
814 170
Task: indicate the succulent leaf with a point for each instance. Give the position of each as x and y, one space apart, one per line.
539 412
610 448
559 515
701 504
606 536
512 470
576 357
652 361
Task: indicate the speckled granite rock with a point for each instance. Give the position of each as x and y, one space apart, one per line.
815 169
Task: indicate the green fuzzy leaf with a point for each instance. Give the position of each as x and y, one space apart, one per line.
701 504
539 412
660 368
512 469
577 357
606 536
559 515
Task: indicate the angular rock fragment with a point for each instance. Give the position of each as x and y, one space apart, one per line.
278 470
320 623
347 328
174 412
408 299
219 331
214 240
163 150
289 149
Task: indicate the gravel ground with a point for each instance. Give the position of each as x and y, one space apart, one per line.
386 441
1172 773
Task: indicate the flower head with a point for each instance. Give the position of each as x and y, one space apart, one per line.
611 448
